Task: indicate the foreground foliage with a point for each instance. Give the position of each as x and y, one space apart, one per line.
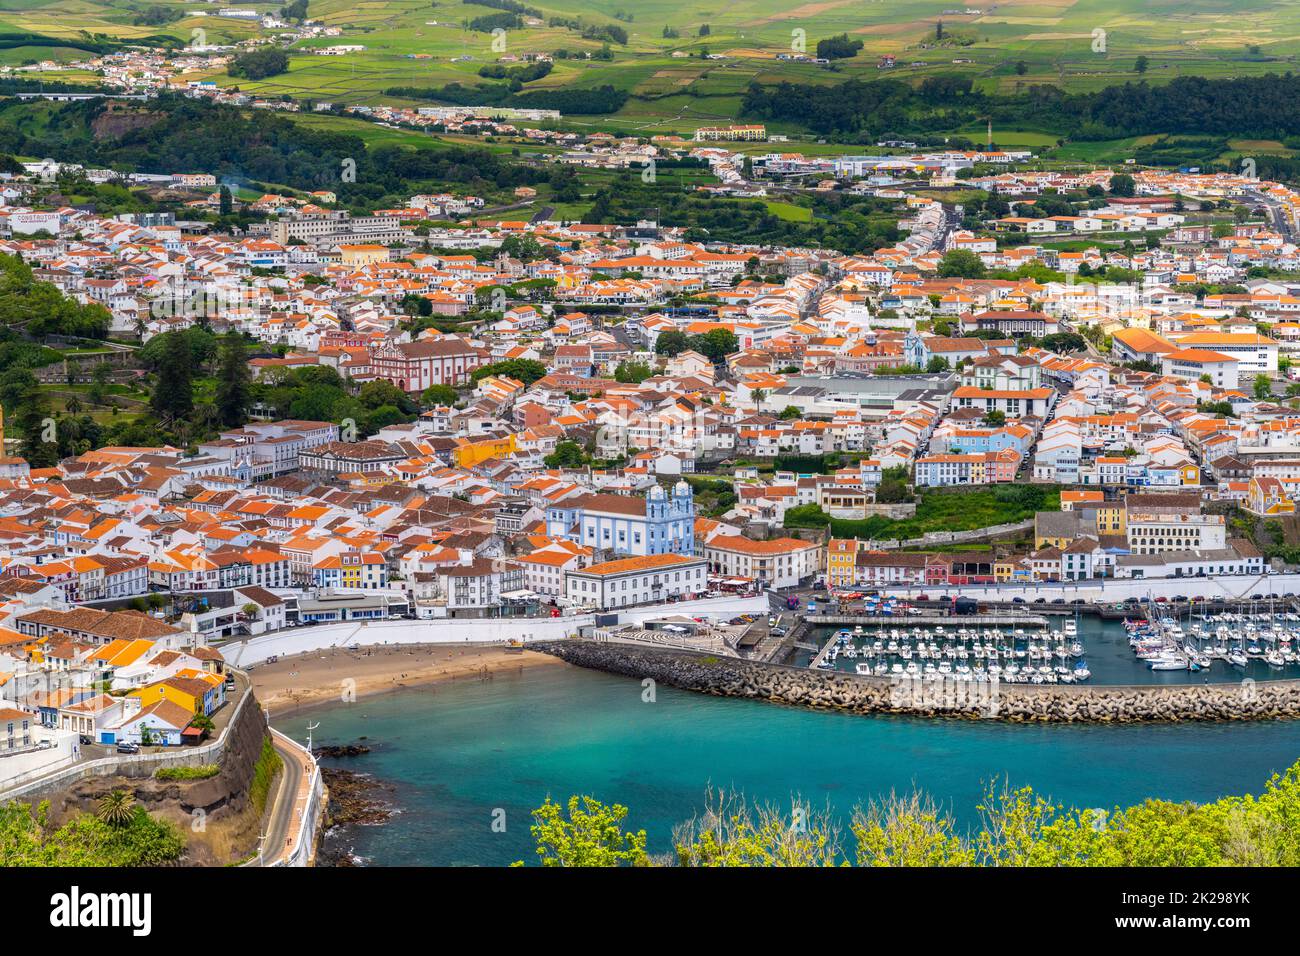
1017 827
121 833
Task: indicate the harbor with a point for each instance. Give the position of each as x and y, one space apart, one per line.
1231 638
967 648
1152 643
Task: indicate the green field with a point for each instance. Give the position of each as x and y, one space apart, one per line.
1005 46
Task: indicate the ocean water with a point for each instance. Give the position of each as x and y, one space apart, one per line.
460 756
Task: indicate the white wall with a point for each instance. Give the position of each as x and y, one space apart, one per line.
450 631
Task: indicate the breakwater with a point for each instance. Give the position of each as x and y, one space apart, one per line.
941 697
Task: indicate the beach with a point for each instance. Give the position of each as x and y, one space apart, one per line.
322 677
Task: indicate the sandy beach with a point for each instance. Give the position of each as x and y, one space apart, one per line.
321 677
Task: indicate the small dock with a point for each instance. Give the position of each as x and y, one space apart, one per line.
821 654
930 620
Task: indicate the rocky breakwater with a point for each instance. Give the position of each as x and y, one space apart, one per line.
942 697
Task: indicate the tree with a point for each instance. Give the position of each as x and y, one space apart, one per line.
439 395
381 393
591 836
203 722
1140 64
116 808
704 30
259 64
522 370
1021 68
1121 184
790 412
937 364
672 342
234 381
893 485
632 372
961 264
838 47
225 201
36 428
715 344
173 396
1263 388
567 454
995 418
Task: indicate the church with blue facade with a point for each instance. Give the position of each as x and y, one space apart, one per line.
659 523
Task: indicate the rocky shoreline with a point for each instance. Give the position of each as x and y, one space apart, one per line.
1016 703
355 799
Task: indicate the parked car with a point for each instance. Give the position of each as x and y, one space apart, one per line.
85 739
126 747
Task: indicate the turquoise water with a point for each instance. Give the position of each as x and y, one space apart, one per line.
457 753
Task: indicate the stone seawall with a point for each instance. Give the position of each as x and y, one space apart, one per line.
732 677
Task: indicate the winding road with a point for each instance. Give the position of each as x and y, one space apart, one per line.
289 800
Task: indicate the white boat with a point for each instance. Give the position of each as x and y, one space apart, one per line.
863 668
1168 662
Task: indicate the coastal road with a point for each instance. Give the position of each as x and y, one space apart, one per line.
290 800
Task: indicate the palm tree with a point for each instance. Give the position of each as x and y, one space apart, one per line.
116 808
72 405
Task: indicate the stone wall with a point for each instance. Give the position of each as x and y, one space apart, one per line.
732 677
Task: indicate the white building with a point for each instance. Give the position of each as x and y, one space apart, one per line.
638 580
779 563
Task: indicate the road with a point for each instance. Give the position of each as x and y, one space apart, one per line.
1278 214
290 798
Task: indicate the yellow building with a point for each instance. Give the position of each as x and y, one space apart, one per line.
841 561
198 694
363 255
470 453
1112 518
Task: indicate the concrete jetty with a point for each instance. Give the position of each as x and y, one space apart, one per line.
1017 703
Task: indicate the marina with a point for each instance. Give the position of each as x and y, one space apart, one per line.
1154 645
1029 652
1233 638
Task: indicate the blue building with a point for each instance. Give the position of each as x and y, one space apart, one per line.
656 524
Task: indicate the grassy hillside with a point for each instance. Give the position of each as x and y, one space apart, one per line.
1004 46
